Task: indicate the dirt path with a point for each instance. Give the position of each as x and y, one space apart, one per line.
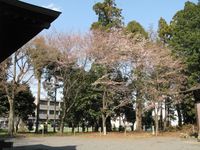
102 143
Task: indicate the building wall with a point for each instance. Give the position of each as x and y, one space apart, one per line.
46 111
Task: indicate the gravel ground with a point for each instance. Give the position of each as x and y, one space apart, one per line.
104 143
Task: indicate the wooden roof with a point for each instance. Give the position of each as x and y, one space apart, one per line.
19 23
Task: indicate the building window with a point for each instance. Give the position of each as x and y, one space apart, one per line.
43 112
43 102
52 103
51 112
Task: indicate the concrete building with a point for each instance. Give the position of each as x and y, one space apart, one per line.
46 111
3 123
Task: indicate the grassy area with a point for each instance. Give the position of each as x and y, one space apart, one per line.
3 131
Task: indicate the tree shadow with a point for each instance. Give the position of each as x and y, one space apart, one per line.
44 147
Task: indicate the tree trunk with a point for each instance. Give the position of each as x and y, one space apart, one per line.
62 123
38 104
104 113
108 124
104 124
96 127
138 115
179 115
78 128
125 127
11 100
165 122
73 128
161 117
83 127
54 121
156 122
17 124
11 118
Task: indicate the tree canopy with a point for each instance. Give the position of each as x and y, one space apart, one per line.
109 16
185 38
136 28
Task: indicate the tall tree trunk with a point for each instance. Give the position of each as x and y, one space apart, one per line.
156 121
104 113
64 113
11 118
78 128
83 127
73 128
138 115
161 117
96 126
38 104
62 123
11 100
54 121
165 122
104 124
108 124
179 115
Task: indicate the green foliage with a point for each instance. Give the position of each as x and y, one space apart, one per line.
3 102
87 110
147 119
164 31
109 16
136 28
185 39
188 110
24 103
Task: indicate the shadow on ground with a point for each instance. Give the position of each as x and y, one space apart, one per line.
44 147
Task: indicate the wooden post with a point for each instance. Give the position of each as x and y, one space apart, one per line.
198 120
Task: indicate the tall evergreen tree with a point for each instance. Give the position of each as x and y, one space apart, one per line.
136 28
164 31
185 39
183 36
109 16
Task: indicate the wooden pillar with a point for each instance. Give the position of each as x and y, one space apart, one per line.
198 119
